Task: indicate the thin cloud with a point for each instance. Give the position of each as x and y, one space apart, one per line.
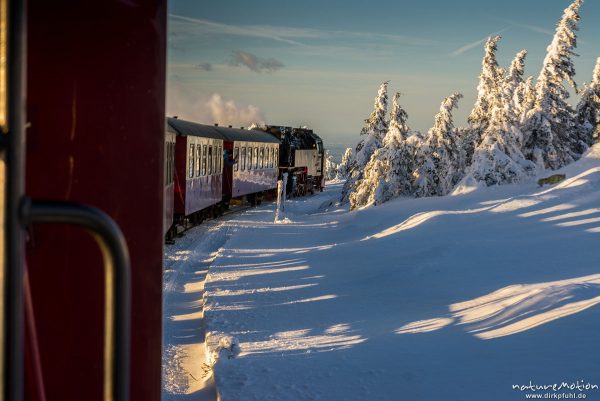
292 35
189 66
255 63
472 45
529 27
238 30
204 66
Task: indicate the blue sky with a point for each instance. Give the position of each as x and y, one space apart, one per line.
319 63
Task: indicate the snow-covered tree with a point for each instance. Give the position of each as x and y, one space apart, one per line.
398 130
440 160
389 172
376 124
373 131
488 92
331 167
512 97
588 110
344 168
490 82
551 136
525 98
498 158
370 189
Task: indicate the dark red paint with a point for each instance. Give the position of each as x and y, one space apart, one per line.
95 101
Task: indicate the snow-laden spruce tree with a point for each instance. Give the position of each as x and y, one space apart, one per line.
525 99
488 92
588 109
345 166
552 139
331 167
440 160
370 190
375 128
514 88
389 172
498 158
373 133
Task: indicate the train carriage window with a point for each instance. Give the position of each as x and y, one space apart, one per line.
236 164
243 158
192 160
267 157
198 158
215 159
210 159
204 160
261 158
220 160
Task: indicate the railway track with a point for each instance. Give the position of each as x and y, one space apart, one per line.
188 226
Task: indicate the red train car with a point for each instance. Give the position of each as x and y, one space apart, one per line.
83 137
255 170
198 169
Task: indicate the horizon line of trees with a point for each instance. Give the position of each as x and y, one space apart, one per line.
516 129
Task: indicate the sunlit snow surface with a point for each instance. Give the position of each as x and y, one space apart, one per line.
452 298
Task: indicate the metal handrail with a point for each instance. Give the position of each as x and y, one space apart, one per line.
117 268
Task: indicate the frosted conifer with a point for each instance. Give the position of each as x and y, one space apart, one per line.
512 98
389 172
331 168
488 91
374 131
551 135
525 99
588 110
344 167
440 159
498 158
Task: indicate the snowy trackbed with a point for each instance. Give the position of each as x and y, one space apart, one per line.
185 376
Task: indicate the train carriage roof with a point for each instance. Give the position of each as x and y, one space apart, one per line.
170 128
187 128
183 127
236 134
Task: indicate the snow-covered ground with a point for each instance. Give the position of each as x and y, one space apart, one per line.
185 377
453 298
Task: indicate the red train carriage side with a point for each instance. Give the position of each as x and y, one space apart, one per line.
95 103
198 169
169 180
255 171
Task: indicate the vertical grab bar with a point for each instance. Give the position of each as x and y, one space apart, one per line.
117 267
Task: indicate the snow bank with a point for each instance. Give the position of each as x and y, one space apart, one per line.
445 298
